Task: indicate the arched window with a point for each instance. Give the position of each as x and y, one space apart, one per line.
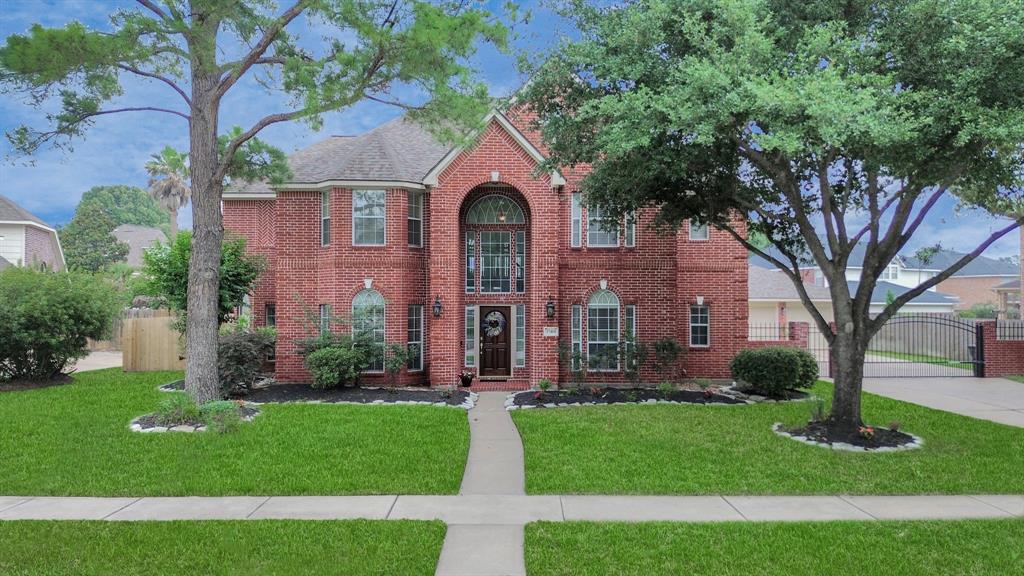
495 209
368 322
603 331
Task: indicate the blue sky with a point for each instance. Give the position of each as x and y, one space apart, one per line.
117 146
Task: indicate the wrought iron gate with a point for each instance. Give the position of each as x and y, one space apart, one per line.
917 346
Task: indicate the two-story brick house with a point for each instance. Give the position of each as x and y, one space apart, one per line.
479 262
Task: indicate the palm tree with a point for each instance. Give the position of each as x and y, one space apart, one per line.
169 182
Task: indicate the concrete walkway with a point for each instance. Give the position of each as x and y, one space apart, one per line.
482 512
995 399
486 521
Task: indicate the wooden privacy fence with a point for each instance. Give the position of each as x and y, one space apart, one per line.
148 341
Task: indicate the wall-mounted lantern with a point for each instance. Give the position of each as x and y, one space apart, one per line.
438 308
550 307
700 300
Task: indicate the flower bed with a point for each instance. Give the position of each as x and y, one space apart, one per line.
594 396
152 423
305 393
866 439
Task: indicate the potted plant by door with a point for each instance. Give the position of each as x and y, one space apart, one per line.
466 378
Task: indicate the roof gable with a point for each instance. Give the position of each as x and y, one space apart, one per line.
11 212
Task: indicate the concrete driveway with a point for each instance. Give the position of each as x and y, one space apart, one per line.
99 360
996 399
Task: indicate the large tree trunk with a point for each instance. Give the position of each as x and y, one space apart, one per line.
847 356
201 379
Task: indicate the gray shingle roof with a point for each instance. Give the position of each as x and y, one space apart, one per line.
138 238
980 266
764 284
882 289
1008 285
399 150
9 211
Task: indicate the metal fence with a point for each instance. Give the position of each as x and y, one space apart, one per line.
767 332
1010 330
924 345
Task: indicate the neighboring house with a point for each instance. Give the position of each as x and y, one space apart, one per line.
973 284
139 239
1008 299
774 301
25 240
930 302
478 261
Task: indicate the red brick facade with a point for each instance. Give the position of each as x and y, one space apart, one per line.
662 276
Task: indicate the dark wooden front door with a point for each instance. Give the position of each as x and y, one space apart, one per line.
495 348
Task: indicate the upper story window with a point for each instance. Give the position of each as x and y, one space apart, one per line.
369 217
325 217
891 272
602 232
368 322
699 231
630 230
415 220
495 209
576 236
496 253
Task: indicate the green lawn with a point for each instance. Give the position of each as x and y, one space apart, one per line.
1015 378
244 548
74 440
678 449
923 359
979 547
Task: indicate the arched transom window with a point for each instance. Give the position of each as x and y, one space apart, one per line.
495 209
603 331
368 322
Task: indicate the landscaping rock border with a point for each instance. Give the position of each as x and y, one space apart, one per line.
736 398
917 442
145 425
390 396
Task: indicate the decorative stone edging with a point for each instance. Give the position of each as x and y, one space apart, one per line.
465 405
917 443
136 426
510 402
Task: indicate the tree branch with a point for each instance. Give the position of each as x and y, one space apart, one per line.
234 145
163 79
154 9
909 295
257 51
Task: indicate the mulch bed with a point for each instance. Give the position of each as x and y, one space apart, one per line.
758 395
306 393
150 421
619 396
826 433
16 385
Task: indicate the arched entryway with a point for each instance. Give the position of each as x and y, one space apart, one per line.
495 246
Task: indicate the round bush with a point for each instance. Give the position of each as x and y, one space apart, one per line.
774 370
332 367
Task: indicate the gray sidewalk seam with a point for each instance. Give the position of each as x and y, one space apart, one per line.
19 503
257 508
990 505
847 500
733 506
122 508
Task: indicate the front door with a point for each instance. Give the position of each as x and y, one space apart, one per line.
495 350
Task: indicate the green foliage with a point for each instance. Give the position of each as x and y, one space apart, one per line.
575 361
334 367
982 310
126 205
88 240
240 357
544 385
666 388
633 356
666 357
396 357
177 409
165 267
775 369
220 416
45 319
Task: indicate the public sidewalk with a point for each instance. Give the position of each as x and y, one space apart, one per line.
504 511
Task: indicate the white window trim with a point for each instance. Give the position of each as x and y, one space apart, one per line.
575 221
707 231
468 339
690 326
576 330
385 217
325 216
618 234
629 234
618 337
409 196
325 319
510 242
384 329
515 336
423 337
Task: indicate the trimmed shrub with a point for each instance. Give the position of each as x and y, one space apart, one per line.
332 367
177 409
221 416
46 317
240 358
775 369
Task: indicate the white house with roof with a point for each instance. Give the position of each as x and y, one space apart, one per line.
25 240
